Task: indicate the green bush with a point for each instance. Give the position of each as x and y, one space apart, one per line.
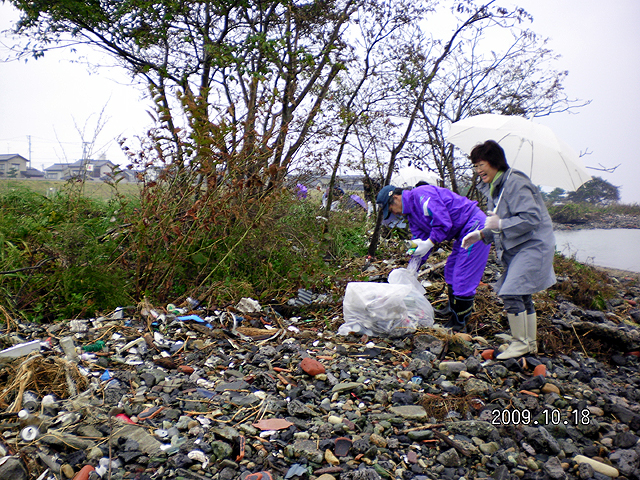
70 256
581 284
575 213
54 263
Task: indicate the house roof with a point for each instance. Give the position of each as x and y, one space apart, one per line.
32 173
58 167
97 163
5 157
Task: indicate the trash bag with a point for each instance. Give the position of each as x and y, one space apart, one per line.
382 309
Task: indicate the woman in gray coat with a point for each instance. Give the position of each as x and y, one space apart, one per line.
521 229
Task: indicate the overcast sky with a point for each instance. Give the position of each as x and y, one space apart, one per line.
599 43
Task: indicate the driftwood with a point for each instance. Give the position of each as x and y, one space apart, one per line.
431 269
452 443
623 340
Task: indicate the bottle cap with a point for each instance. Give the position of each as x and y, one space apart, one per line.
29 433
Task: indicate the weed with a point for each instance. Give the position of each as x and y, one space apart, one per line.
583 285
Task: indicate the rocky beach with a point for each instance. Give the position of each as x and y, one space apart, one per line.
605 221
272 392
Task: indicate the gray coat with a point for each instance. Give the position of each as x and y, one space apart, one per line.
526 244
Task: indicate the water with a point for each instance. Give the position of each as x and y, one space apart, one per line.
614 248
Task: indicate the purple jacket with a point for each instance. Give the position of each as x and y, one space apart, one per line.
439 214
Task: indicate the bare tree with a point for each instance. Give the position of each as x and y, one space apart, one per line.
517 81
420 68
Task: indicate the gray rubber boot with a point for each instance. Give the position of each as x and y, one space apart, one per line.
532 331
520 344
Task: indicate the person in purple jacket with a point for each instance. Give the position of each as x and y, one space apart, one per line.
436 215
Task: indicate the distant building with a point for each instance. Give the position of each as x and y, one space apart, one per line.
346 182
32 173
12 164
88 170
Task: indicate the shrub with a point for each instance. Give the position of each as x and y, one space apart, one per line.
581 284
54 262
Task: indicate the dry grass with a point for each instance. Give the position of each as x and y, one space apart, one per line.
95 190
43 376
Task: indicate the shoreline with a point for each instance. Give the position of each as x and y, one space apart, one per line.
607 222
614 272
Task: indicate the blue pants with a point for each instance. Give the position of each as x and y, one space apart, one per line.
465 267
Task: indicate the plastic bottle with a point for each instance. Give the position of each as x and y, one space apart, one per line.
411 245
69 348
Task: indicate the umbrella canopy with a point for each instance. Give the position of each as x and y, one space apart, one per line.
409 176
529 147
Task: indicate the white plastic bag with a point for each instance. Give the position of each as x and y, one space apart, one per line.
381 309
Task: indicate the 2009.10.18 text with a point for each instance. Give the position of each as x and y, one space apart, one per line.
547 416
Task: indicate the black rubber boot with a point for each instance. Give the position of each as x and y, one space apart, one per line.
461 308
445 311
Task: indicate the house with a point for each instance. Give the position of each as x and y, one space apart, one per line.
12 164
88 170
55 171
32 173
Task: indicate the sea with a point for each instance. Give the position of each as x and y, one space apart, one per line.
617 248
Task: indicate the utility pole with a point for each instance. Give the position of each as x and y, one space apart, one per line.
85 148
29 137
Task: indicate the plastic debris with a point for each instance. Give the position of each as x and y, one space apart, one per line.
199 456
30 401
248 305
21 350
30 433
84 473
305 297
195 318
104 465
94 347
124 418
296 470
171 308
193 303
78 326
69 348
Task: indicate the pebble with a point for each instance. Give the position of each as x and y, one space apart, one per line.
312 367
597 466
411 407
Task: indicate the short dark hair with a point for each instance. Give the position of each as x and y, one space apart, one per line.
490 152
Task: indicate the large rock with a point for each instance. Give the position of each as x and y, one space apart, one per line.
146 442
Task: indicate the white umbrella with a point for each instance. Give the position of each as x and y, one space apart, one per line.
529 147
409 176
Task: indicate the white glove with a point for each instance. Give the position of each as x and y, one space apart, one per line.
471 238
419 248
493 222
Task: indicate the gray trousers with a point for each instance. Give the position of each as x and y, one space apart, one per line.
515 304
